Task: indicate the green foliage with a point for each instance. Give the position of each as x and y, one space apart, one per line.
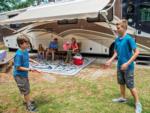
7 5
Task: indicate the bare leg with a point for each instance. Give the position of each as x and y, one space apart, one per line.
135 94
53 55
122 90
47 52
27 99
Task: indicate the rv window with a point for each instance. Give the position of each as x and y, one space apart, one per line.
96 19
72 21
66 21
62 22
15 26
10 16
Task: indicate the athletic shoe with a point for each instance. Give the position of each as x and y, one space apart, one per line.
31 108
120 100
138 108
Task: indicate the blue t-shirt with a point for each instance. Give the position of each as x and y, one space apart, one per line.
21 59
124 48
53 45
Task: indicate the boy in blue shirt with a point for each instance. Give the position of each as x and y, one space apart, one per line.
21 68
126 51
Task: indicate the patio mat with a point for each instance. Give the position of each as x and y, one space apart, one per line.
59 67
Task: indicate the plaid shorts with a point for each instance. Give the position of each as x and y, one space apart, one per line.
126 78
23 84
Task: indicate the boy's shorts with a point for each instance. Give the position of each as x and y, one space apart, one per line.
126 77
23 84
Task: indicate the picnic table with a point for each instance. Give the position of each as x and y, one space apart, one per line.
6 62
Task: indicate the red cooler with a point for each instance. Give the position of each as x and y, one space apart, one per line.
77 60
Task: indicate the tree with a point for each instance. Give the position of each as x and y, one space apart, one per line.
7 5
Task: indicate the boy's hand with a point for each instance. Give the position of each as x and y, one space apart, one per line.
107 64
34 70
124 66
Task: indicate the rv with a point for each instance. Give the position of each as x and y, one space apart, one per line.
92 38
92 27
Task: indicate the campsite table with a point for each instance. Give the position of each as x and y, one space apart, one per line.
61 54
6 63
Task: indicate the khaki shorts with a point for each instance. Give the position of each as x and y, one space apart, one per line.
23 84
126 78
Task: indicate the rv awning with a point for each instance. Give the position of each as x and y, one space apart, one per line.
61 10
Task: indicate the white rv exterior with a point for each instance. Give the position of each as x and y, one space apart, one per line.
90 43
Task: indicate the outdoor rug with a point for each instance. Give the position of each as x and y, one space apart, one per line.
59 67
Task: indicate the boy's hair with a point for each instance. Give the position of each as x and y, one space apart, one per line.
123 23
21 39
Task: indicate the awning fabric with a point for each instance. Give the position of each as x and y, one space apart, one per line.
57 11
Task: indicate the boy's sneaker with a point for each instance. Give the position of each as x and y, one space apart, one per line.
138 108
120 100
31 108
32 102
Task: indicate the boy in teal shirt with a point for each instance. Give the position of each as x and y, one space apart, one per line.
21 68
124 47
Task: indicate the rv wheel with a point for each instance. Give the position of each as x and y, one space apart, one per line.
12 49
111 49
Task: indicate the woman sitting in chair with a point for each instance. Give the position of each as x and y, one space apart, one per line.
74 45
71 48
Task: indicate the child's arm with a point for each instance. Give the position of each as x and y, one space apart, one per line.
125 65
31 60
23 68
27 69
108 63
135 55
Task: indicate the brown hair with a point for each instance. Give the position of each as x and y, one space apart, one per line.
123 23
40 48
21 39
73 39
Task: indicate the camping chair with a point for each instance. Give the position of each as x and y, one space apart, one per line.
50 54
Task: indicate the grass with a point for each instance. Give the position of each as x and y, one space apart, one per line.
75 94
